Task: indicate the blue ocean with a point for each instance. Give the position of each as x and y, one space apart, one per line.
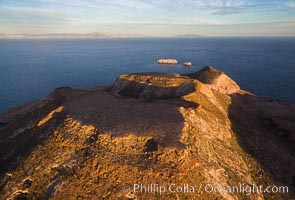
33 68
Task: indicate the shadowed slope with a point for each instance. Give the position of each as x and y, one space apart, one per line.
265 130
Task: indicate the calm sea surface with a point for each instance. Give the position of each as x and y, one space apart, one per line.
32 68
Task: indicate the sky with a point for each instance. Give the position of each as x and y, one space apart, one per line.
149 17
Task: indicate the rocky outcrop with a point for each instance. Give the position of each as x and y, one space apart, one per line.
148 86
167 61
91 143
216 79
187 64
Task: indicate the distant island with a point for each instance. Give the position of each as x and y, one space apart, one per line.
188 36
170 61
88 35
72 35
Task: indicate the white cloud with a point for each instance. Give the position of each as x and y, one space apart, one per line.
221 3
223 7
128 15
291 4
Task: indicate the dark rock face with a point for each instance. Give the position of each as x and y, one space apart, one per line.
150 145
2 125
27 183
20 195
148 86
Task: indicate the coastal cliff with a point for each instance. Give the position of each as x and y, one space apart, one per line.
148 128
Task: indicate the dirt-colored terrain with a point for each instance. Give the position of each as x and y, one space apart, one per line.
152 129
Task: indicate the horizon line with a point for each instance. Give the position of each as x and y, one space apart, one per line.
105 35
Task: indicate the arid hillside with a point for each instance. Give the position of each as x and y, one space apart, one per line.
176 135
